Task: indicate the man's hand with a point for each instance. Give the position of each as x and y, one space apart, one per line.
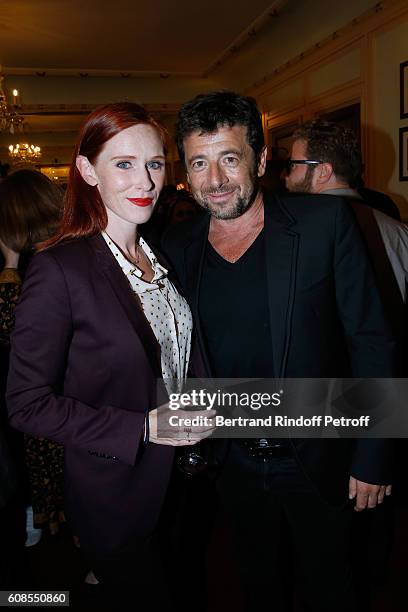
178 434
367 495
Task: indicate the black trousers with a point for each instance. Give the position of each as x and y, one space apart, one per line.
258 495
185 529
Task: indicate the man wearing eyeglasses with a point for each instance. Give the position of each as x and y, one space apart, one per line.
326 160
279 287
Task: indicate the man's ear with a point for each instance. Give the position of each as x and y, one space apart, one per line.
262 161
86 170
323 172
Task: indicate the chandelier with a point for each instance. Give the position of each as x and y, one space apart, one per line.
10 119
24 153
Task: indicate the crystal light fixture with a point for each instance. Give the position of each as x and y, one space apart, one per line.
10 119
24 153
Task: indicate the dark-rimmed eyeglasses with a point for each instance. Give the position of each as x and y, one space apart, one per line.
291 163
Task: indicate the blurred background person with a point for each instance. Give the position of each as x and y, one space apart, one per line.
326 159
378 200
174 205
182 208
30 208
273 180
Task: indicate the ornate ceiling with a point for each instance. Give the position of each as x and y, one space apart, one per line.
62 37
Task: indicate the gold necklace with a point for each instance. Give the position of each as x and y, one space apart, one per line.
134 260
138 255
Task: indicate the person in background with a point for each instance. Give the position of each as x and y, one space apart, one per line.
273 179
182 207
326 159
30 208
174 205
99 328
378 200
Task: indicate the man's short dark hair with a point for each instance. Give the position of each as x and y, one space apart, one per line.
335 144
207 113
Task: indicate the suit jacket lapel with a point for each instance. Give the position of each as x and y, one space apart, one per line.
128 301
194 253
281 246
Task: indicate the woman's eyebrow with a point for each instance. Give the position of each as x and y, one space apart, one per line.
122 156
160 155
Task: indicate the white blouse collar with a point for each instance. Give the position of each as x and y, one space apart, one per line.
131 269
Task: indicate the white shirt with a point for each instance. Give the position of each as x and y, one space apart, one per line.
166 310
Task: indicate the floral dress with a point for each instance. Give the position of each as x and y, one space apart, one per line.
44 459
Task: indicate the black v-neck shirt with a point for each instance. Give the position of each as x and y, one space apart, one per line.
234 313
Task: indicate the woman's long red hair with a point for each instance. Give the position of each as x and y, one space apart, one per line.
84 213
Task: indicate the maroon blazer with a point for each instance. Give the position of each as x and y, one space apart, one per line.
83 372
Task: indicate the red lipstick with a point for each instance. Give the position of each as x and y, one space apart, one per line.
141 201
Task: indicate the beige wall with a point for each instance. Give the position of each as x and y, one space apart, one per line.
360 65
100 90
389 48
306 24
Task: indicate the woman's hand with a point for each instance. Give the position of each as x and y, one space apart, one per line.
174 427
10 257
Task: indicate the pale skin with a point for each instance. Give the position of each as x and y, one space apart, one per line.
221 167
323 178
231 239
131 166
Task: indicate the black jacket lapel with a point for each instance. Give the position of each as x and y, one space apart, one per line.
281 246
128 301
194 253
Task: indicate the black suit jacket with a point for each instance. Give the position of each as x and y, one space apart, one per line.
394 307
326 317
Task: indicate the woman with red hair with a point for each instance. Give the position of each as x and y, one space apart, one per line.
98 324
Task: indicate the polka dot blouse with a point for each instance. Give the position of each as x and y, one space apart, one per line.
167 312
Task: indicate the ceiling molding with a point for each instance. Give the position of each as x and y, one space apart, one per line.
272 12
245 36
336 40
84 109
43 72
56 109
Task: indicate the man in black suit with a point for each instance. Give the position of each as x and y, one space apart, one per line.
280 287
338 174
